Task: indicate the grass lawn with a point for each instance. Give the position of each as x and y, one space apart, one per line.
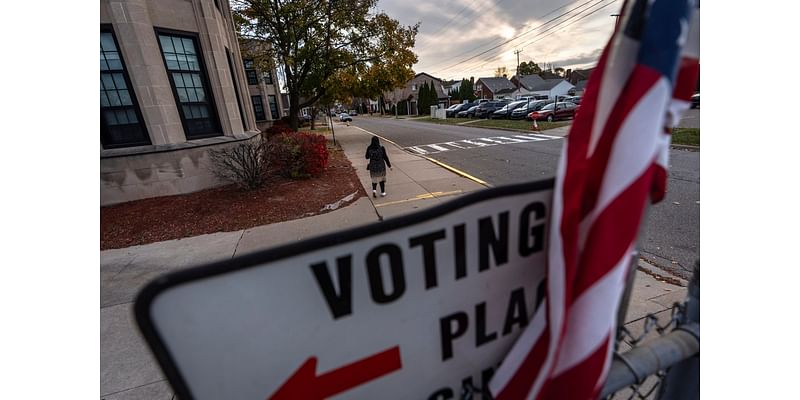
449 121
522 125
686 136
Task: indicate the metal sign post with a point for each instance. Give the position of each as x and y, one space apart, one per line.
417 306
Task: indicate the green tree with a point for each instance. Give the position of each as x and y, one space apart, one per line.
422 98
433 95
319 42
529 68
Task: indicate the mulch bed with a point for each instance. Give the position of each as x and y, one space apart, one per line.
227 209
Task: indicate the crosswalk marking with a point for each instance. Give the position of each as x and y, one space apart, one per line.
479 142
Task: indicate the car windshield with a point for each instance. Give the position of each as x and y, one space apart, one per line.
548 107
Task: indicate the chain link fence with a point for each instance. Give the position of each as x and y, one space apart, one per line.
662 360
657 358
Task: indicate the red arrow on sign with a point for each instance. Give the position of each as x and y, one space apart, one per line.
305 384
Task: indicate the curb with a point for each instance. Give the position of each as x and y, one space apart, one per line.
660 274
439 163
685 147
469 125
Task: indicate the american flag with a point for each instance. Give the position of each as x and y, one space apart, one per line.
614 161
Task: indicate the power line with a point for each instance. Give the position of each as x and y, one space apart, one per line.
520 35
452 19
498 40
550 30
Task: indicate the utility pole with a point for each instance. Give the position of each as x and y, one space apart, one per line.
517 53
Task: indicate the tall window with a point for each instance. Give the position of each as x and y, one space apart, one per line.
250 70
121 122
258 108
268 77
189 83
273 106
235 87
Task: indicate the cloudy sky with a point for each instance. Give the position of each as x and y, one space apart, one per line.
453 33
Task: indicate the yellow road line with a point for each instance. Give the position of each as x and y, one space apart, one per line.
457 171
439 163
420 197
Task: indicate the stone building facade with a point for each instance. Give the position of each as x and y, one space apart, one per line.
172 87
263 88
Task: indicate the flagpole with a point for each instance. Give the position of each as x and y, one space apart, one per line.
625 299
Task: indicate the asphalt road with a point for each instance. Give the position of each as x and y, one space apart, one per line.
672 234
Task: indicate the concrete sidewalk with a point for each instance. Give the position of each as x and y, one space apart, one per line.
127 369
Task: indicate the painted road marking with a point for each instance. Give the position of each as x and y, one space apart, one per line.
466 144
420 197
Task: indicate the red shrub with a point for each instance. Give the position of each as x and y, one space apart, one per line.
277 129
299 155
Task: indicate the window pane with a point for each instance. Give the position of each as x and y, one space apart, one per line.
103 99
196 80
119 81
112 58
111 118
166 44
172 61
107 42
201 94
113 98
188 46
183 97
178 78
178 43
107 81
103 63
125 98
193 65
132 116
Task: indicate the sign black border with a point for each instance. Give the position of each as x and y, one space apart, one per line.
148 294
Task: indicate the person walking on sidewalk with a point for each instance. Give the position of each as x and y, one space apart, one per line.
378 161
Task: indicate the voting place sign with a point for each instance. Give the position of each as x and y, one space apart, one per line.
415 307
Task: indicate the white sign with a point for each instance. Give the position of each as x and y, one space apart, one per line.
415 307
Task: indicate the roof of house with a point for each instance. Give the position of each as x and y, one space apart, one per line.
496 84
580 74
547 84
581 84
529 81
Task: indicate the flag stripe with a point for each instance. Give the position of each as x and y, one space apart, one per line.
613 161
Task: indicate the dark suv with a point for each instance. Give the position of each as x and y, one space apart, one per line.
486 109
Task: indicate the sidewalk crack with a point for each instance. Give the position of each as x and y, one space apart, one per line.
235 249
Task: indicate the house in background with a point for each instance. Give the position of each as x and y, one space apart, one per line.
263 88
578 89
494 88
551 88
410 92
525 83
172 87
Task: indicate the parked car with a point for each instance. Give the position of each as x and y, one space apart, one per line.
468 113
345 117
453 111
506 111
353 113
533 105
486 109
696 101
573 99
562 111
449 110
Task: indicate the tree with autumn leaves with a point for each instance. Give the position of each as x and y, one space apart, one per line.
330 50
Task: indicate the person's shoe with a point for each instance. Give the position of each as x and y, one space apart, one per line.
375 193
383 194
